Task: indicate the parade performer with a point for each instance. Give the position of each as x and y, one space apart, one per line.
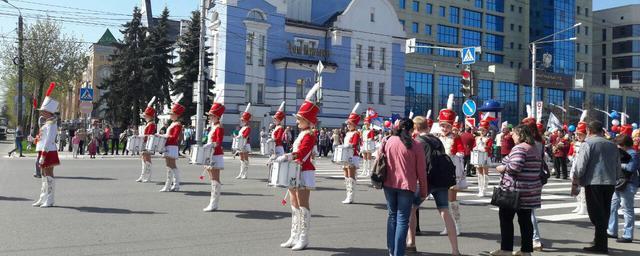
352 139
368 136
277 135
299 195
173 134
149 130
244 133
454 148
216 134
48 156
580 136
483 144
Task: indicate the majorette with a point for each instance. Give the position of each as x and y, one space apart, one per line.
301 153
149 130
48 149
244 133
173 134
278 132
352 140
368 137
213 168
483 146
581 133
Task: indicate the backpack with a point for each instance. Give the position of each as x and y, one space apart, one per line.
441 172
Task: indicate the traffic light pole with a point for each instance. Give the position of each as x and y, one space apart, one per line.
20 71
202 92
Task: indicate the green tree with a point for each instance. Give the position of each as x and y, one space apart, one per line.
157 61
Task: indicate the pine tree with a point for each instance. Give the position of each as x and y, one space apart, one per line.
157 61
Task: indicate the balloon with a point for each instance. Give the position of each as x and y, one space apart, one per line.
387 124
615 128
614 115
634 125
572 128
615 122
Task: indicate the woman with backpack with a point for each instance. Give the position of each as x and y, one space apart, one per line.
405 182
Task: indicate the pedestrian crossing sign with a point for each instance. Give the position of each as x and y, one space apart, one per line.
468 55
86 94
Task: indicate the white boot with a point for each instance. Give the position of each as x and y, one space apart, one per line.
167 182
142 172
50 190
487 180
295 229
578 205
582 203
147 174
241 170
43 192
455 212
305 221
215 196
176 180
480 185
245 170
349 183
363 171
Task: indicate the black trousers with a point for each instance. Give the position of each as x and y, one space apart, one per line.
560 164
467 166
599 206
506 229
115 145
81 147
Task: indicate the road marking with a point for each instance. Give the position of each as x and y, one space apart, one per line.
487 200
562 217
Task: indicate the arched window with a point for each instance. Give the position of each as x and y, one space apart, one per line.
256 15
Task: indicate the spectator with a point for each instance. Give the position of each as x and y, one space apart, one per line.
115 140
19 136
405 183
336 139
520 172
560 147
188 139
322 142
83 138
597 169
625 194
468 141
105 139
93 147
506 141
75 142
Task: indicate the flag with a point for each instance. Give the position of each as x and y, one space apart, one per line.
377 123
371 113
554 122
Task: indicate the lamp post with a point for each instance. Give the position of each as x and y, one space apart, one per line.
20 61
532 48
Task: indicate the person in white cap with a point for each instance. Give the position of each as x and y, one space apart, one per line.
580 136
149 130
244 133
484 144
368 136
277 135
49 150
216 134
173 134
352 140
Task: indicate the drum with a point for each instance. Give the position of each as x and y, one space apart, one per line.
134 143
267 147
284 174
342 154
201 155
479 158
155 143
238 143
368 146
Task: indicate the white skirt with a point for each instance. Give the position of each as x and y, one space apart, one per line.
279 150
354 161
307 180
171 152
246 148
217 162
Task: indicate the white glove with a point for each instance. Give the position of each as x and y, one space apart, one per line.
284 158
459 154
41 160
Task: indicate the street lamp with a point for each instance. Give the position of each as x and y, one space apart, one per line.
20 61
532 48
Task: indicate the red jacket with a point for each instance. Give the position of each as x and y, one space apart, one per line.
245 132
563 149
278 135
355 143
468 142
215 136
149 129
307 143
173 134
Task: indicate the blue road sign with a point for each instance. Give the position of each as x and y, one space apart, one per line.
86 94
469 108
468 55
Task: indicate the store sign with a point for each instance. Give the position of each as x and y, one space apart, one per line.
306 50
546 79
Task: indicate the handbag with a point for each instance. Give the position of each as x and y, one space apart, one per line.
505 198
379 171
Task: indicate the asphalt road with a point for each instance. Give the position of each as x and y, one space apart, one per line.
100 210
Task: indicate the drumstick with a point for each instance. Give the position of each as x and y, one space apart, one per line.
202 175
284 200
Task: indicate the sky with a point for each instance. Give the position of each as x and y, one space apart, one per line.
88 19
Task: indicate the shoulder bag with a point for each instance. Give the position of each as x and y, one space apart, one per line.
509 199
379 171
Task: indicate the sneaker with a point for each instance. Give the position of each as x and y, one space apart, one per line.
612 236
624 240
594 249
500 253
537 245
520 253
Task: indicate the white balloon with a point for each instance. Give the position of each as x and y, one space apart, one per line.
615 122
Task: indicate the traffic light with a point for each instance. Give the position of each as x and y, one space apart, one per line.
466 82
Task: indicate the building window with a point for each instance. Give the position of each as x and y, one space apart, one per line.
511 45
511 64
370 57
604 34
577 66
454 15
615 103
429 8
422 50
576 99
586 30
626 62
415 6
427 29
450 85
604 79
604 64
493 58
633 107
555 96
495 5
512 26
402 4
586 49
448 35
578 10
372 15
577 47
300 89
472 18
519 46
414 27
519 28
527 95
249 54
381 93
494 23
261 51
519 9
508 97
577 30
586 67
471 38
358 55
356 91
418 92
586 12
370 92
513 8
261 93
402 23
597 101
383 58
494 42
478 4
247 92
485 90
519 65
443 11
628 46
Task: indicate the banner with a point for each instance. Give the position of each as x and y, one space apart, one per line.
554 122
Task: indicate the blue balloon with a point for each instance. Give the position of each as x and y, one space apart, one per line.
572 128
614 115
635 126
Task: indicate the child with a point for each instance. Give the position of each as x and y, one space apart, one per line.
93 148
75 141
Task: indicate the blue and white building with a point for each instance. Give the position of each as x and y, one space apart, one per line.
266 51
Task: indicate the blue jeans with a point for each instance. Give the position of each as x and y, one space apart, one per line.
534 221
399 203
625 198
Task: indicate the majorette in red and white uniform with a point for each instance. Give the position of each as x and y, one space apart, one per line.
483 142
215 137
352 139
574 150
277 135
173 134
301 153
245 131
368 137
149 130
48 149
